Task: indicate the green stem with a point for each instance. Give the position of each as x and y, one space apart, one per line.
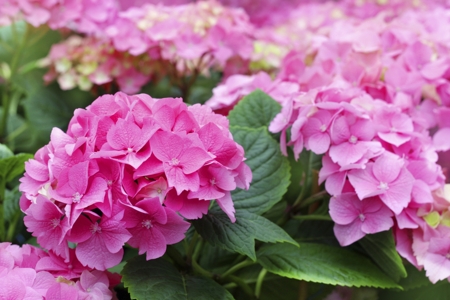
197 250
12 227
176 256
237 267
307 180
241 283
18 131
313 198
200 271
5 113
259 282
192 245
37 37
312 218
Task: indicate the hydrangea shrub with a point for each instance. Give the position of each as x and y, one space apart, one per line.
317 166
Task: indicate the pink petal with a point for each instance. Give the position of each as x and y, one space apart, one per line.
398 196
343 210
387 167
174 229
226 204
318 143
348 234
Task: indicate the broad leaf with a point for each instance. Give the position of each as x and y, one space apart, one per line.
415 278
158 279
5 152
269 167
12 167
323 264
254 110
438 291
11 203
48 107
381 248
217 229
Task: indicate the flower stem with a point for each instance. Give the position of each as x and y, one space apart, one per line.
312 218
313 198
192 244
259 282
241 283
238 266
176 256
306 183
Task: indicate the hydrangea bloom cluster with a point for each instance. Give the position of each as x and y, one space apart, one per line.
83 62
153 40
371 95
28 272
128 170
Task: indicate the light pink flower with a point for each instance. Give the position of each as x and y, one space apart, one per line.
386 178
355 218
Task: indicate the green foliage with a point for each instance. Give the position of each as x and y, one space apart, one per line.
323 264
158 279
11 203
381 248
269 167
5 152
254 110
13 166
217 229
48 107
438 291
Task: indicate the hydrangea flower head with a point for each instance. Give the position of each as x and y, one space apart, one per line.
127 171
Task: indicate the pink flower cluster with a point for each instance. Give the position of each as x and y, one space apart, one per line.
153 40
28 272
373 98
83 62
128 170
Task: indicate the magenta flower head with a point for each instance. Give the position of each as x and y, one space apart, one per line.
130 169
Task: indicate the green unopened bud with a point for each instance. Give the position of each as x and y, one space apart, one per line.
5 71
433 219
445 219
84 83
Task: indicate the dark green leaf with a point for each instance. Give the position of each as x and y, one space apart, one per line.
217 229
254 110
12 167
48 107
323 264
11 203
158 279
414 279
269 167
438 291
381 248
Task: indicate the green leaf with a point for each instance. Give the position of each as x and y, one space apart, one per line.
381 248
217 229
269 167
438 291
12 167
323 264
5 152
254 110
47 107
414 279
158 279
16 41
11 203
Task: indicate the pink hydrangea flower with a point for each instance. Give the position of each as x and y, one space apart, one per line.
355 218
127 171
